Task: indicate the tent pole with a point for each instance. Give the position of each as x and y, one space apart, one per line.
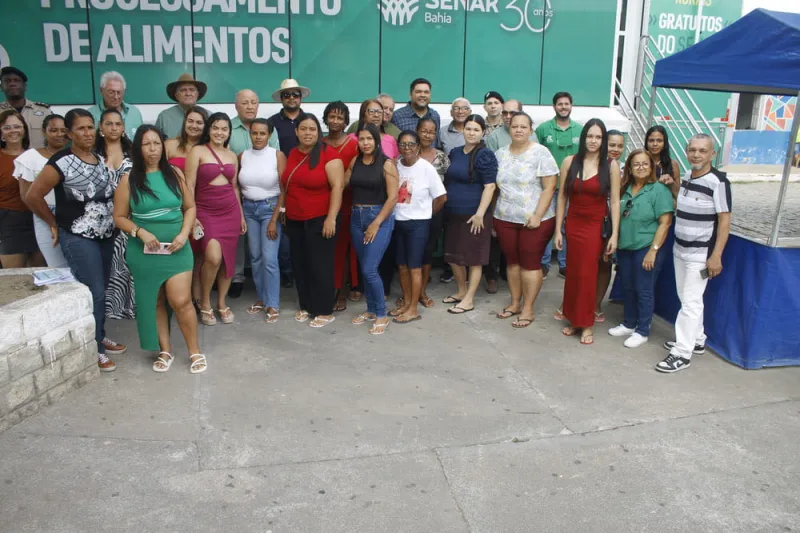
652 107
787 169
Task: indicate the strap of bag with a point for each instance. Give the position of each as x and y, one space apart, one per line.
289 179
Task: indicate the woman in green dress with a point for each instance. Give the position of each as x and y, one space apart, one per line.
152 207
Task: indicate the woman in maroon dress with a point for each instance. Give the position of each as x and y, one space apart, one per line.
211 171
590 182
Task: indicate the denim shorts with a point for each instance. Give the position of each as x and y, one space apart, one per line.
411 237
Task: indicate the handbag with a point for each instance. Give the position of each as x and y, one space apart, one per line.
607 230
282 215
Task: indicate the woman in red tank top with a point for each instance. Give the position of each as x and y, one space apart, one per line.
591 184
178 148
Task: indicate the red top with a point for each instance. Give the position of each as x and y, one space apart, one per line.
348 151
308 194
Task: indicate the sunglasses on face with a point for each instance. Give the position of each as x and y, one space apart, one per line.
288 95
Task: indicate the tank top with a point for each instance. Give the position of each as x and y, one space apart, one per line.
368 184
258 174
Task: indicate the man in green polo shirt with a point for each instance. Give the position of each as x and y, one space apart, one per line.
112 96
561 135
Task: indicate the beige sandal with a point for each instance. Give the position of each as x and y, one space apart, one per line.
226 315
320 322
378 329
207 317
363 317
272 315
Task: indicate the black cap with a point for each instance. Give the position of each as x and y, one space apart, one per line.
493 94
13 70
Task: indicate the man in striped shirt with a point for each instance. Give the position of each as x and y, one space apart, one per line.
703 222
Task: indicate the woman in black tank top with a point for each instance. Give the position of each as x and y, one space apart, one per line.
374 181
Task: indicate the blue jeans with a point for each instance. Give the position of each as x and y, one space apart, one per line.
370 255
547 258
638 286
411 238
263 250
90 263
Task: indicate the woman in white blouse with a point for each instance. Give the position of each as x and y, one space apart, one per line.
259 169
26 167
524 217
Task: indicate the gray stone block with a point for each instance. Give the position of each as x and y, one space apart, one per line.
62 389
10 330
16 393
5 374
57 343
47 377
82 330
9 420
31 408
73 363
25 360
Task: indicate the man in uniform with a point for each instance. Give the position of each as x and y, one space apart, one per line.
186 91
14 82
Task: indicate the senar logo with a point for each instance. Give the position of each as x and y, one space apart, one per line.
398 12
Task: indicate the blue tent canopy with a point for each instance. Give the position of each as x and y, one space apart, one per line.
759 53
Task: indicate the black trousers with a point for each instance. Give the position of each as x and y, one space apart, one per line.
312 263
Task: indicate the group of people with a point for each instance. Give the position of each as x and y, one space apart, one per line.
175 209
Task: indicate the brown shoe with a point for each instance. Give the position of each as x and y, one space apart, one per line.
105 364
114 348
491 286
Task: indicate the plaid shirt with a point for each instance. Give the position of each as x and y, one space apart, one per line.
406 118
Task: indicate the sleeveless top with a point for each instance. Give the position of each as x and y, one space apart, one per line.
258 174
209 171
368 184
178 162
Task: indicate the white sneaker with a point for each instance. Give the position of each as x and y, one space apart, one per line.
620 331
635 340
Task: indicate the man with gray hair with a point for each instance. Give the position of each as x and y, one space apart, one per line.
112 96
702 226
453 135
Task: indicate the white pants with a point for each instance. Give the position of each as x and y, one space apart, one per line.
689 324
52 254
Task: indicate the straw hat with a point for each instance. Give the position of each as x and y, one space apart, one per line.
186 78
290 84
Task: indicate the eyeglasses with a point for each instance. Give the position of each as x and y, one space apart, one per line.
287 95
508 113
461 108
374 111
643 164
12 127
628 207
406 145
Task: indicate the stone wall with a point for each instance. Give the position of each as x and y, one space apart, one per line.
47 348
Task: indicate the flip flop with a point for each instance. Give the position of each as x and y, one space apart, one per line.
340 305
401 320
587 339
272 317
455 310
599 317
569 331
426 302
559 314
354 296
363 317
255 308
396 311
522 323
302 316
451 300
505 313
321 322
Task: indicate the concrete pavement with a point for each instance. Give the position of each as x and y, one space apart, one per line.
448 424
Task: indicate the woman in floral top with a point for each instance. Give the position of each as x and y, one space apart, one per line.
524 218
426 130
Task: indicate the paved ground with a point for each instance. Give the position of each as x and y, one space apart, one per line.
449 424
754 209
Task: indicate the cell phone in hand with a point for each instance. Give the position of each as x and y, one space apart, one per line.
704 273
163 249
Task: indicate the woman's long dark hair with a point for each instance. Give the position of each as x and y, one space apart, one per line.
216 117
137 179
100 141
183 138
575 173
313 157
481 145
664 160
380 157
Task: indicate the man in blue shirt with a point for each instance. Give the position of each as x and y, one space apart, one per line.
418 107
284 122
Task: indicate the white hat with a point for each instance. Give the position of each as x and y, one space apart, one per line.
290 84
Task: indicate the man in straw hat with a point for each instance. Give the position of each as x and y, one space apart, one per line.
187 92
284 122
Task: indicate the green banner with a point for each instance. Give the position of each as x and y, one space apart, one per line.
341 49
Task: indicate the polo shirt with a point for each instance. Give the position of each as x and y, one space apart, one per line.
700 200
638 229
285 128
308 193
406 118
560 142
450 138
463 194
130 115
240 137
500 137
388 129
170 121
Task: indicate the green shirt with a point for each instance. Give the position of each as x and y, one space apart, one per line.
130 115
240 137
638 228
500 138
388 128
560 142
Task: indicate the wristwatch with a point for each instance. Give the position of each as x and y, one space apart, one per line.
134 231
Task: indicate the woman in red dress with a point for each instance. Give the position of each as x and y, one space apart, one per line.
345 263
590 182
